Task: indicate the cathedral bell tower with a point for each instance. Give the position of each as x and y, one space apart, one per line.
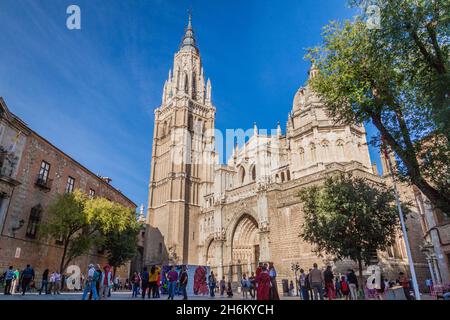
182 158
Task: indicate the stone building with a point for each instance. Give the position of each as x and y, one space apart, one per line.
33 172
232 216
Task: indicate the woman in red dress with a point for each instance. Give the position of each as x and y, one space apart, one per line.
263 281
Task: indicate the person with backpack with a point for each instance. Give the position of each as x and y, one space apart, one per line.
9 277
145 282
303 284
345 290
26 278
245 286
90 286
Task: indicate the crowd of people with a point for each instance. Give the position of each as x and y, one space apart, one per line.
24 281
316 284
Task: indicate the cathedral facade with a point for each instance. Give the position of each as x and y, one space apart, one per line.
232 216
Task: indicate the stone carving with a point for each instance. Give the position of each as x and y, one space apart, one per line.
220 235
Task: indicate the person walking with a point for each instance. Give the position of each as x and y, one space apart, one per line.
153 276
9 277
345 290
303 285
136 282
263 284
252 285
106 282
316 280
212 284
172 277
352 284
404 282
184 282
273 283
222 286
329 282
116 283
145 282
90 285
56 282
44 282
15 282
26 278
97 276
245 285
158 282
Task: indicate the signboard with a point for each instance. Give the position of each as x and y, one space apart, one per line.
17 255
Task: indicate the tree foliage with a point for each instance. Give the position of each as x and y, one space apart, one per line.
122 245
80 223
349 218
397 78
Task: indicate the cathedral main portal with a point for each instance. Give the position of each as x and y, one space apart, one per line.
245 247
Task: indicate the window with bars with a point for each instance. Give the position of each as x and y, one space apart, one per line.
91 193
33 221
70 184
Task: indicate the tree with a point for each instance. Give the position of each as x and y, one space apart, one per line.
349 218
397 78
79 223
122 246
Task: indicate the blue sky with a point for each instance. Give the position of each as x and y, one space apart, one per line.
92 92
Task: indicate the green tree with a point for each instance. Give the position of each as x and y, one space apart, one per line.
349 218
397 78
122 246
79 223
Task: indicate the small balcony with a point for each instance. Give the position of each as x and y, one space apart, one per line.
45 184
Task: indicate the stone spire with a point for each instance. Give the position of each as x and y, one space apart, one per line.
189 42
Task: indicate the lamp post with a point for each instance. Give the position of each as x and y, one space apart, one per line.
402 222
295 267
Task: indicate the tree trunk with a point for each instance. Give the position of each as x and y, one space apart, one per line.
63 258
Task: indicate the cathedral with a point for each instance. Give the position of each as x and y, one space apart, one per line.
232 216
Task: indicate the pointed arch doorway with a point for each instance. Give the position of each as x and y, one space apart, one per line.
245 249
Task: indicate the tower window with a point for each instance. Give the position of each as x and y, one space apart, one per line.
254 173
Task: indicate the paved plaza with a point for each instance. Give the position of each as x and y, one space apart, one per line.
126 296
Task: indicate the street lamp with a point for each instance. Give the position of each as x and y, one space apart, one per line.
295 267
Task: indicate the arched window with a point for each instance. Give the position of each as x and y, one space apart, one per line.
326 150
302 156
313 152
194 86
277 178
340 150
254 173
282 177
33 221
288 175
241 175
186 83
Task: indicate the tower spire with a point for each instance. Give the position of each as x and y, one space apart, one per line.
189 41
